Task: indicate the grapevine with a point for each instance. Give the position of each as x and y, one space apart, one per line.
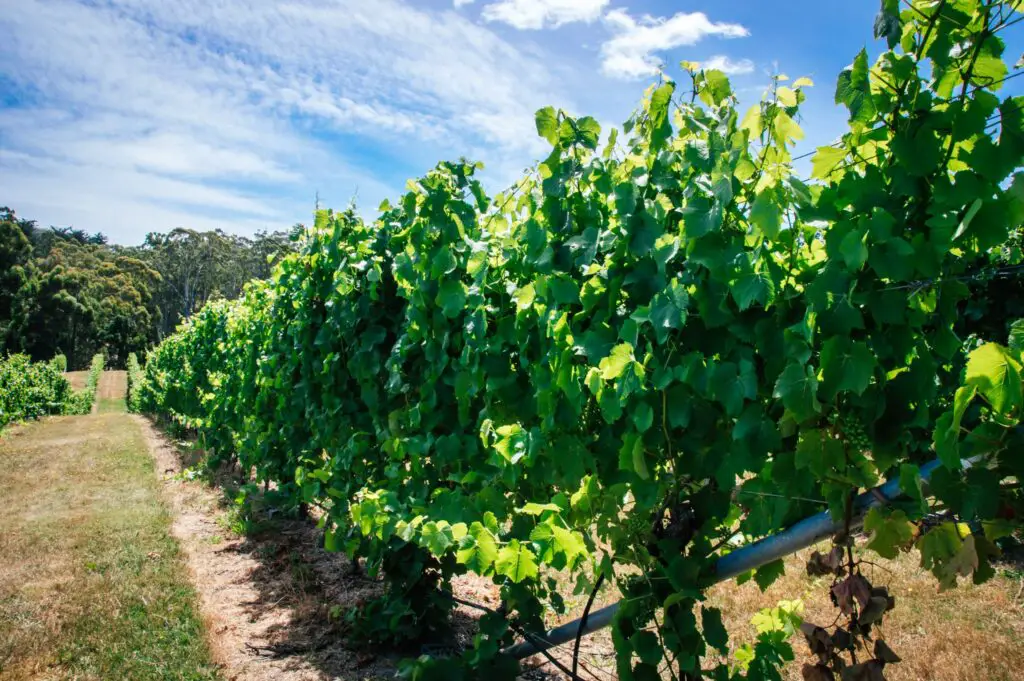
641 351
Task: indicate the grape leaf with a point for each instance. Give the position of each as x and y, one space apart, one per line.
614 365
477 550
797 387
452 297
516 561
996 375
713 629
890 533
846 365
547 124
768 573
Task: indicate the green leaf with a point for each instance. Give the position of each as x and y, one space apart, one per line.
797 387
713 629
646 646
846 365
589 132
331 541
568 542
785 129
478 550
436 537
768 573
890 533
444 263
786 96
753 287
731 385
854 90
640 460
668 310
661 127
516 561
989 66
820 453
564 291
996 375
1017 338
643 417
716 87
700 218
947 428
525 296
765 215
547 124
826 160
534 508
614 365
854 249
452 297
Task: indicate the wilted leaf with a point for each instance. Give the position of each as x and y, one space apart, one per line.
884 653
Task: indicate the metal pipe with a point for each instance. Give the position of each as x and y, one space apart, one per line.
807 532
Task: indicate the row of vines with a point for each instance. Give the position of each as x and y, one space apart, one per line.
30 390
643 351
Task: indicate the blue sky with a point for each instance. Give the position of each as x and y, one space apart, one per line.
130 116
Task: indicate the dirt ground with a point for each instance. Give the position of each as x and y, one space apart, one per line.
266 598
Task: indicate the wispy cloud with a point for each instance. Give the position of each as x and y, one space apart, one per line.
631 52
231 112
729 66
537 14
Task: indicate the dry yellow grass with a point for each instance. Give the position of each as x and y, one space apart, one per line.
972 633
965 634
91 584
77 379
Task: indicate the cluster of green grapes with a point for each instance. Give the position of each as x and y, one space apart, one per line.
638 528
852 430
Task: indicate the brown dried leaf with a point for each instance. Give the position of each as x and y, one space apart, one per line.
861 589
817 672
884 653
843 597
874 610
883 592
842 640
818 641
865 671
830 563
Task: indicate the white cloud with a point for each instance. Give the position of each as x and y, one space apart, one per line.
153 114
630 53
728 66
537 14
460 3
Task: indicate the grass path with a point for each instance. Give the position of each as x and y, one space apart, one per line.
92 586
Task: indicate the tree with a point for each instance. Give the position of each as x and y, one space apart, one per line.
18 277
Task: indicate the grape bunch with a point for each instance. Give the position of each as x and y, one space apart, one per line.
850 427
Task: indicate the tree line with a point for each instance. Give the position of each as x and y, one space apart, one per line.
66 291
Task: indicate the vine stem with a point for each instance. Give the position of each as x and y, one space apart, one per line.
583 622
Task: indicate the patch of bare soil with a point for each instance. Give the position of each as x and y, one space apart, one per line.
267 599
